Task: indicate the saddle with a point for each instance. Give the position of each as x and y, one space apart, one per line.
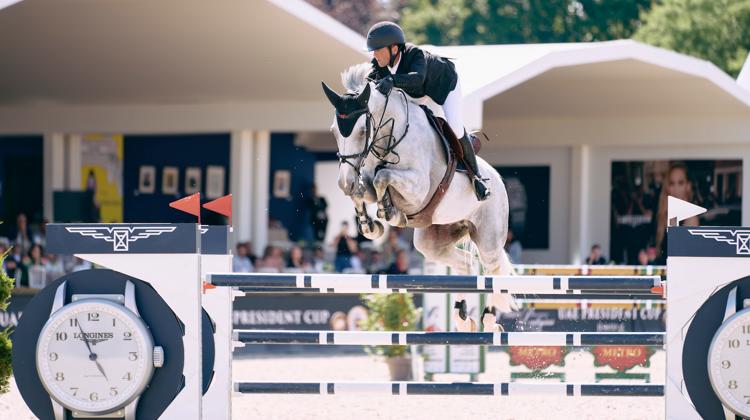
454 155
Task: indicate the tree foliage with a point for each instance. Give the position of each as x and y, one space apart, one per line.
467 22
359 15
715 30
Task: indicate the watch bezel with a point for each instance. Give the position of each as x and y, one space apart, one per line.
139 328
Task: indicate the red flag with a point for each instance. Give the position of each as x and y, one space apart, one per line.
222 205
190 204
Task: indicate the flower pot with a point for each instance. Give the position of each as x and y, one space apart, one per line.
400 368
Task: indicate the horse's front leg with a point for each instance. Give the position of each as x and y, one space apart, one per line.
407 183
371 229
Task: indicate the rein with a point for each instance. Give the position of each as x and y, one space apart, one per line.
374 147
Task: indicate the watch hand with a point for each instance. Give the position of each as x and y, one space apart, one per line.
85 340
99 366
92 355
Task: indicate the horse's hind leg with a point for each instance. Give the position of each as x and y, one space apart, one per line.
438 243
489 241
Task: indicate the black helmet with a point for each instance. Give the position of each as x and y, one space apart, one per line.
383 34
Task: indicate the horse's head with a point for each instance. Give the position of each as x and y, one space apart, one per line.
351 127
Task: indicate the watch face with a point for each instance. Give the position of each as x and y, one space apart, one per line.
94 356
728 361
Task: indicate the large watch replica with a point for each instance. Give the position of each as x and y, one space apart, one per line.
130 341
729 359
84 336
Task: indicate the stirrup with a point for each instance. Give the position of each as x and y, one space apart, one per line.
480 188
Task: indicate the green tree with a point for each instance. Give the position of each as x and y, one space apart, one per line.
6 285
715 30
467 22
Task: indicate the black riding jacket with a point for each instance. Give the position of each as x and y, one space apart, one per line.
421 73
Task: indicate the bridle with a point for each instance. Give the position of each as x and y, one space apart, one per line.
375 147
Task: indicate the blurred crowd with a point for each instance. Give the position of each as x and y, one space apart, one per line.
344 254
27 260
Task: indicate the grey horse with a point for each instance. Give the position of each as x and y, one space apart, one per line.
390 155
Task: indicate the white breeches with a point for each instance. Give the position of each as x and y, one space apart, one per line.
451 109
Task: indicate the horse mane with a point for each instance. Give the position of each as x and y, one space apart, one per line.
354 78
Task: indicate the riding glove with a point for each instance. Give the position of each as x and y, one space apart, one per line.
385 85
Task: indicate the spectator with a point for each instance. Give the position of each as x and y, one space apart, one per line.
643 257
513 247
34 266
297 261
55 267
40 237
392 245
22 237
241 263
272 260
401 265
319 260
345 246
596 258
376 263
356 264
318 219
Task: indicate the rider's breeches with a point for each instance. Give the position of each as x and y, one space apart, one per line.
453 110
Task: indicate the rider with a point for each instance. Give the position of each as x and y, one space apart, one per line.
419 73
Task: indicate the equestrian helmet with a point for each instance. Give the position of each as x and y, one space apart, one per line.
383 34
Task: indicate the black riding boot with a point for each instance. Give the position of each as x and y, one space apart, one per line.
480 188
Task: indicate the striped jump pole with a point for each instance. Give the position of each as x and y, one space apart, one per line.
450 388
499 339
589 294
383 283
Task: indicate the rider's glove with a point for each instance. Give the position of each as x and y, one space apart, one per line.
385 85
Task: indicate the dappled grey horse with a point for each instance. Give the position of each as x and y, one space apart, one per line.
391 155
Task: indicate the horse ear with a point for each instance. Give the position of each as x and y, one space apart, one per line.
333 97
364 96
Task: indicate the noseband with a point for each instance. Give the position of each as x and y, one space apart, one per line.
373 142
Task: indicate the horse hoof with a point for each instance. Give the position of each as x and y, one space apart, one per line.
489 321
461 306
375 232
463 324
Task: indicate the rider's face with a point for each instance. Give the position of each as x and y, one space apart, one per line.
382 57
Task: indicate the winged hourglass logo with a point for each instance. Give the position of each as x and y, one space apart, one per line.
740 238
121 237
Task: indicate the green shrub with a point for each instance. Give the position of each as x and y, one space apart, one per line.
6 285
390 312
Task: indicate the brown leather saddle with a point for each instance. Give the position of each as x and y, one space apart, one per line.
453 154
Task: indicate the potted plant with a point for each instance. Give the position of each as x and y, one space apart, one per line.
392 312
6 284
